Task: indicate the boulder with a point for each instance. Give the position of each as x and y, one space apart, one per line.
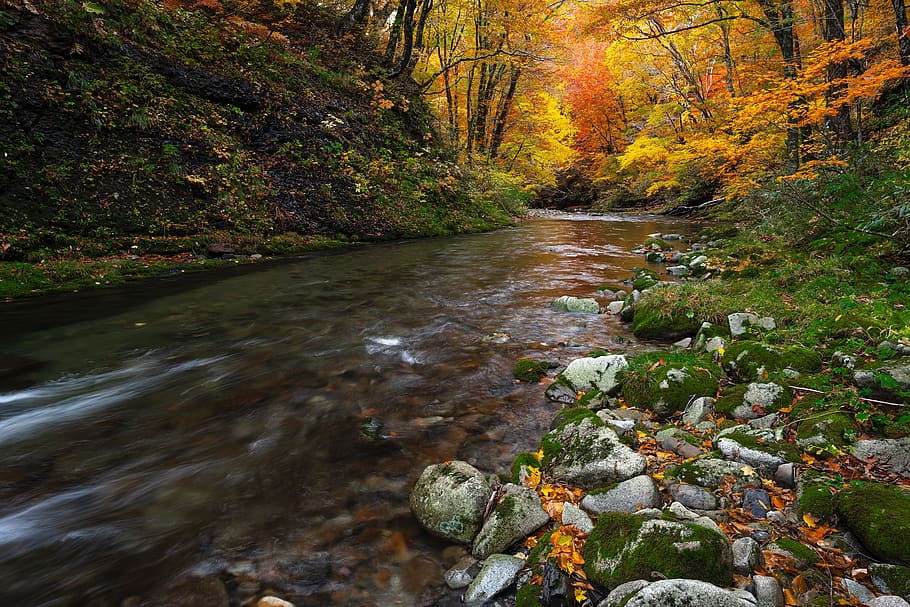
625 547
693 496
888 601
499 572
628 496
831 427
652 319
585 452
711 473
890 382
741 322
583 305
765 456
668 388
748 360
600 373
518 514
879 516
449 500
754 400
688 593
698 410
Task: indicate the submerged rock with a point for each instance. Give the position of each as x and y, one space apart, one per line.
567 303
449 500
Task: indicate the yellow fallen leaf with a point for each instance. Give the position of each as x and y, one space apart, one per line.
580 595
811 521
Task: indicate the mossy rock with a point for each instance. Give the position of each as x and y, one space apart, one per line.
893 577
711 473
708 331
747 360
528 595
815 495
644 279
626 547
879 515
668 388
449 500
738 401
530 371
594 400
652 320
826 432
851 325
786 451
804 555
660 243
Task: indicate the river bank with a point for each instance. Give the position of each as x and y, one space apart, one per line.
760 460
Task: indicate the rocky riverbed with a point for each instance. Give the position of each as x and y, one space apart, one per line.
706 474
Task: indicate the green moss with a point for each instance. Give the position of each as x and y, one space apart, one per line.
802 359
538 554
895 577
785 450
523 460
660 243
815 496
644 279
610 559
574 415
749 359
831 427
879 515
653 319
528 595
730 398
594 399
799 551
667 388
530 371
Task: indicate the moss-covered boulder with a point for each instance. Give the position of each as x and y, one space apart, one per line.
449 500
584 451
710 473
530 371
753 400
626 547
879 515
522 465
644 279
518 514
889 382
653 320
826 432
667 388
747 360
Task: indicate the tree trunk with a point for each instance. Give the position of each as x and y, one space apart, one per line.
903 34
835 32
502 115
355 17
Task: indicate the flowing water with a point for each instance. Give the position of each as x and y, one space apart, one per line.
205 440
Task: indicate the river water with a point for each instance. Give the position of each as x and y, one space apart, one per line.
209 439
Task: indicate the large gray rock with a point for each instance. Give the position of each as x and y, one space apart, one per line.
769 396
711 473
599 373
888 601
765 463
628 496
587 453
619 594
740 322
687 593
893 453
567 303
518 514
693 496
449 500
499 572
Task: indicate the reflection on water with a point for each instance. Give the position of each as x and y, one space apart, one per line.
261 432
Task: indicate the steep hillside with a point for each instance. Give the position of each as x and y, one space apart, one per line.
132 123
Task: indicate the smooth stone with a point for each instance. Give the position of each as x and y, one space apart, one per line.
767 591
573 515
462 573
893 453
629 496
858 591
740 322
692 593
757 501
273 601
747 556
499 572
518 514
618 594
888 601
693 496
601 372
698 410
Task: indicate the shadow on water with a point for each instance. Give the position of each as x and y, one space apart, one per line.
259 431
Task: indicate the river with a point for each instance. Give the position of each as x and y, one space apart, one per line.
220 436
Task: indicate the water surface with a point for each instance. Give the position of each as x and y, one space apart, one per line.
214 438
